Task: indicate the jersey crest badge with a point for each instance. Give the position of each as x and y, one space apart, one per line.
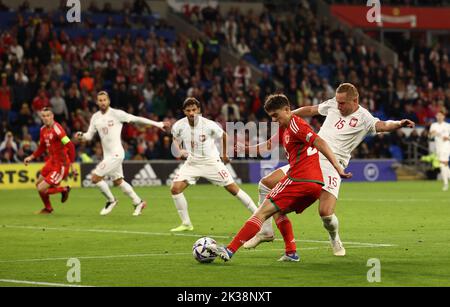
202 138
286 138
353 122
110 123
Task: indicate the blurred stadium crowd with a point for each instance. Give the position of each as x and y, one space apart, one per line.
148 70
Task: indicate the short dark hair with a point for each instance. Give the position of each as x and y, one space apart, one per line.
190 101
46 109
275 102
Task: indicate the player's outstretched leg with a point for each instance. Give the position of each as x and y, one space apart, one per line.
266 234
128 190
330 221
248 231
182 206
285 227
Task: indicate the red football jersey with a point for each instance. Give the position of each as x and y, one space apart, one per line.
50 140
298 139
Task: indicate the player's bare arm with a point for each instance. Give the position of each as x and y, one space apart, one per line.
260 149
308 111
392 125
39 151
28 159
323 147
164 126
180 151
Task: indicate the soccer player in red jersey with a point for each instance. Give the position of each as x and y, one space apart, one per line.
61 154
299 189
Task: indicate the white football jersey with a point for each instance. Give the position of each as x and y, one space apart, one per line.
344 133
199 140
109 128
442 130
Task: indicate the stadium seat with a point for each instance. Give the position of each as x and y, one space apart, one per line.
396 152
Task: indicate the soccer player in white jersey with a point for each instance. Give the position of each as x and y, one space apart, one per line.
108 123
440 130
195 138
345 126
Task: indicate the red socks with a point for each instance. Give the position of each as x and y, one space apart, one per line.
46 200
253 226
56 190
285 227
248 231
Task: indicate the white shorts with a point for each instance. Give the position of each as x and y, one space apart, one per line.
331 177
443 154
215 172
111 167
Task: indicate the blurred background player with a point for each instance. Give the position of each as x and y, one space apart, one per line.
345 126
440 130
298 189
108 123
61 154
195 138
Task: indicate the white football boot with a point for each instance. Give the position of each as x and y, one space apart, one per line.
258 239
138 208
109 207
338 247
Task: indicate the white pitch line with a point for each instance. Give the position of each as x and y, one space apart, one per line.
139 255
171 234
161 254
38 283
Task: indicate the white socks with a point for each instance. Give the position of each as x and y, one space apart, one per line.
128 190
103 186
331 224
182 207
124 186
246 201
267 229
445 173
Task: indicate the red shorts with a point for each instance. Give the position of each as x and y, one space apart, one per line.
289 195
54 173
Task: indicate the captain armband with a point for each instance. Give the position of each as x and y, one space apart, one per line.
65 140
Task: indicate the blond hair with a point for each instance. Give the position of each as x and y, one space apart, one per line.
103 93
349 89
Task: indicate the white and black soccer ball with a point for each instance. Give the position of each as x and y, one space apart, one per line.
201 254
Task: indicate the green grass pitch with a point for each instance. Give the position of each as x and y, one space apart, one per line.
406 225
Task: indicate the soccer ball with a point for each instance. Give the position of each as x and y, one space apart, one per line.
201 254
